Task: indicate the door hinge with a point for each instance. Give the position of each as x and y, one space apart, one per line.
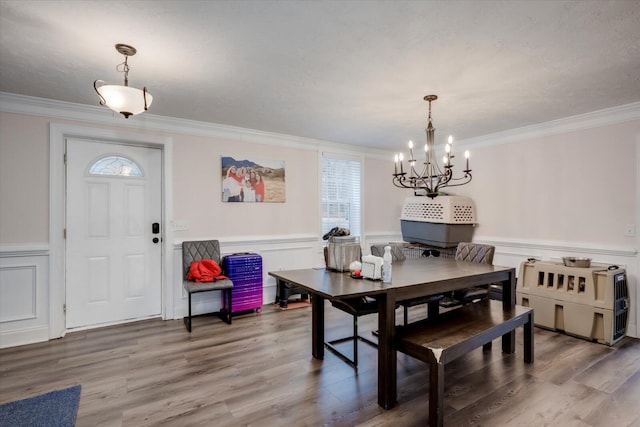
64 233
65 158
64 308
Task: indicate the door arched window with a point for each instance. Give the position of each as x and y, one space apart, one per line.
113 165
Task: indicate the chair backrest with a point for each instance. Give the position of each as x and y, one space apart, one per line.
397 254
198 250
475 252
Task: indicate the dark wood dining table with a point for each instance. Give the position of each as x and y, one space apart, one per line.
411 279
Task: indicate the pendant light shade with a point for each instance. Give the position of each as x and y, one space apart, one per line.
124 99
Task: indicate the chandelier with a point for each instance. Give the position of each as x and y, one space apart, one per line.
432 178
125 100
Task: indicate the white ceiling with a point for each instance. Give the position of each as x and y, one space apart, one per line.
344 71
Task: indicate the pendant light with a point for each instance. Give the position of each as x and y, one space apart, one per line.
125 100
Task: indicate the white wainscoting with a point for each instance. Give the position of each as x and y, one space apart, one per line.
25 281
289 252
277 252
24 295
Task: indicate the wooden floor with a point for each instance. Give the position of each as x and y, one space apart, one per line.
259 372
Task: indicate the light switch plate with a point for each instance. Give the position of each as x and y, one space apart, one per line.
179 225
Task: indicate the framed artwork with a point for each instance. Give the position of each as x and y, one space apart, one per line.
253 180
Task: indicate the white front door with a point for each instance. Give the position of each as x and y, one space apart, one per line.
113 248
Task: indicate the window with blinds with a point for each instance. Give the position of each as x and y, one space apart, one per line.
341 194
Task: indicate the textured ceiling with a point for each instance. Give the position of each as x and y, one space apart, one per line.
344 71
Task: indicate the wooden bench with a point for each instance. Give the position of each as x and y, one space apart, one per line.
453 334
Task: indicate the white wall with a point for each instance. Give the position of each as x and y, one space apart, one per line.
24 179
563 191
197 190
577 186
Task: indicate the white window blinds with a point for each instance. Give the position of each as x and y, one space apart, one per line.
341 194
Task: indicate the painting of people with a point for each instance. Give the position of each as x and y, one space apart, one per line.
253 181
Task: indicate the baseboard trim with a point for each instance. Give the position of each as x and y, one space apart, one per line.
24 336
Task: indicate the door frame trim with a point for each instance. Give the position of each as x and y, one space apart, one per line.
58 133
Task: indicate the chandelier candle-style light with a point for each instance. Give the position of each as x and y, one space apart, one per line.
431 179
125 100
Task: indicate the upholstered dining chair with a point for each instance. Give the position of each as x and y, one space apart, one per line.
482 254
355 307
397 254
473 252
432 301
197 251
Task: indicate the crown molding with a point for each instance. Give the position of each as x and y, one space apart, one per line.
13 103
28 105
609 116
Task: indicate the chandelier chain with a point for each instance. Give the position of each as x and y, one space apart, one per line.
124 68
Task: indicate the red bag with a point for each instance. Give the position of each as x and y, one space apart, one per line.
206 270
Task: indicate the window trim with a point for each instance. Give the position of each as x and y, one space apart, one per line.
341 155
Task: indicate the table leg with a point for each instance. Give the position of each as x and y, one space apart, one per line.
317 326
528 340
508 302
387 374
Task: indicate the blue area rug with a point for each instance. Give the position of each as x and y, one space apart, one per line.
55 409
